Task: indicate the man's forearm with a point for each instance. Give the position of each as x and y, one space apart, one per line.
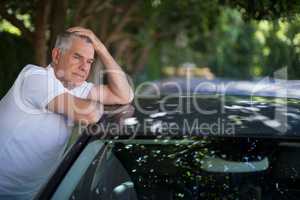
117 80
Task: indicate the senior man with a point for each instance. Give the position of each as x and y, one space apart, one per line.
36 112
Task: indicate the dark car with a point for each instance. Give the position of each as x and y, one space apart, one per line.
191 85
188 147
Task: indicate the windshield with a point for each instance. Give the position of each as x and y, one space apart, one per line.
192 169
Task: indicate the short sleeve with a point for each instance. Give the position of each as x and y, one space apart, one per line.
40 88
83 90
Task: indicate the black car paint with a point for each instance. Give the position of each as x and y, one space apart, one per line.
254 131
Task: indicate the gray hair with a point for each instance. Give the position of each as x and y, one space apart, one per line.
64 40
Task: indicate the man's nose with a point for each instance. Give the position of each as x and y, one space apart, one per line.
84 65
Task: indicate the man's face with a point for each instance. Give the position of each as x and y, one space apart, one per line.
72 67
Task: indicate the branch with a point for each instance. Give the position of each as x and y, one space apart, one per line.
141 60
126 18
104 24
86 12
116 37
121 48
17 23
96 7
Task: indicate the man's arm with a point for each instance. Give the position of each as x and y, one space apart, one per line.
105 95
118 90
80 110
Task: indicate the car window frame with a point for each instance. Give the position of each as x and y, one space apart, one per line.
78 169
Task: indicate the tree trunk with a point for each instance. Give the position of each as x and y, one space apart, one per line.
40 39
57 22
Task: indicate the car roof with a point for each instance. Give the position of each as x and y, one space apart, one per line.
260 87
203 115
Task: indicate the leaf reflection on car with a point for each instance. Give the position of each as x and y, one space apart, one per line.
189 147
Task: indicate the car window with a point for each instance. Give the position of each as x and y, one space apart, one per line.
189 169
210 169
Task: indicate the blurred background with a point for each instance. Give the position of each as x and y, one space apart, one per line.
160 39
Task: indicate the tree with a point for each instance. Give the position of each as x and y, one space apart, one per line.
131 29
48 18
265 9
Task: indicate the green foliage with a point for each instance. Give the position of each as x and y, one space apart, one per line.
283 41
223 38
20 7
224 35
234 46
166 18
265 9
5 26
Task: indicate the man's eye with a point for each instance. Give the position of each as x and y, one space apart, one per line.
90 61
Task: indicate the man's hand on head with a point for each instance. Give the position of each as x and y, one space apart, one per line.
88 33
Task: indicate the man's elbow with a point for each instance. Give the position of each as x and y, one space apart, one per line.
93 117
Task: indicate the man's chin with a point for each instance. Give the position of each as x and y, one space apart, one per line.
72 85
78 83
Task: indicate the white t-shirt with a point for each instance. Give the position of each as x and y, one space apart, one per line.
32 139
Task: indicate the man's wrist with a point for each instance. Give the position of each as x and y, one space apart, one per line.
100 48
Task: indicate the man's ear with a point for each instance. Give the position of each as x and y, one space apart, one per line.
55 55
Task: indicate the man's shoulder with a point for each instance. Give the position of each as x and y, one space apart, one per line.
31 69
34 74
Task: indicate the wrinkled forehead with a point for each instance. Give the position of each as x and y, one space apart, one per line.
82 46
